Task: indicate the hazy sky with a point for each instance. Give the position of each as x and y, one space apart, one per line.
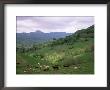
53 24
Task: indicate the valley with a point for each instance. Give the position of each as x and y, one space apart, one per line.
58 53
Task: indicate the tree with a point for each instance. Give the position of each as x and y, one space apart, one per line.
54 38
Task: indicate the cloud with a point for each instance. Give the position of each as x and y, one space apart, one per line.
53 23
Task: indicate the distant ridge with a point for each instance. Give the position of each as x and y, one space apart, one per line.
39 31
38 37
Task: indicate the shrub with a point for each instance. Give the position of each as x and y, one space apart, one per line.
53 58
68 61
90 48
38 56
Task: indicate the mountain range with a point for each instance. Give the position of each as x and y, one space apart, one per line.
38 37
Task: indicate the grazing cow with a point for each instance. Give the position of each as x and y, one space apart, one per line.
17 63
55 67
36 67
28 65
75 67
46 68
65 65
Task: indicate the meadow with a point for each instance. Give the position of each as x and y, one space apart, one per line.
73 54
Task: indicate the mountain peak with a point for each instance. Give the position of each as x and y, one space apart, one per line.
39 31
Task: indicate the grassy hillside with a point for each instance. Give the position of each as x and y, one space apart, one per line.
73 54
